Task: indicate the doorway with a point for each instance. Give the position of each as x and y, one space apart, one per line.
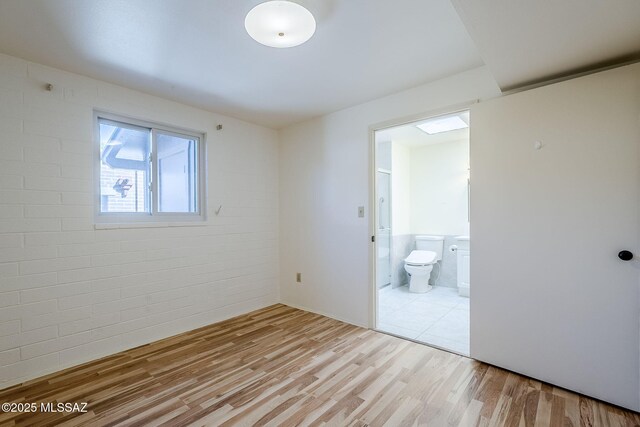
422 186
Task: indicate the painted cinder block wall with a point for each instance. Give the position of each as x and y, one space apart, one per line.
69 292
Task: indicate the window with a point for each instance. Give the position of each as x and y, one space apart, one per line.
148 172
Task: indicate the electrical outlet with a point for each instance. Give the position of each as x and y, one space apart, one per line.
299 277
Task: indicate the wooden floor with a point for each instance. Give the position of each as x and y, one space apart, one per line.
284 367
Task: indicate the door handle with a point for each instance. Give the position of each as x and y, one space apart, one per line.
625 255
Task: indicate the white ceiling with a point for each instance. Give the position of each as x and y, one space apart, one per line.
525 42
198 52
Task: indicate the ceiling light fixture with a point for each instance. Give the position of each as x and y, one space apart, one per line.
280 23
443 124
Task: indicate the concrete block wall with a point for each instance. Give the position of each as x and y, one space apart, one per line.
71 292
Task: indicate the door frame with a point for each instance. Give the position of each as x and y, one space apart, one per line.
373 218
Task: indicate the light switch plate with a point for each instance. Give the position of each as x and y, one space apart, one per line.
360 211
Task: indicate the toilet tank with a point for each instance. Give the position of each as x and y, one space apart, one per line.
431 243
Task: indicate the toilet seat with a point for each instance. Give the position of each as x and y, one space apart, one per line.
419 258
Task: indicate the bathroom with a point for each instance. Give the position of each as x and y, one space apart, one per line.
422 231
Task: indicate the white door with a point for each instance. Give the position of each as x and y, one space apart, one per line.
555 197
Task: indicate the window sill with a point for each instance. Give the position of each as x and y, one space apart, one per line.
119 226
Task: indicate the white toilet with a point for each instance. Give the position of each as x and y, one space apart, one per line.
420 262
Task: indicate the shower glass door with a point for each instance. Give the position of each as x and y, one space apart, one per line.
383 265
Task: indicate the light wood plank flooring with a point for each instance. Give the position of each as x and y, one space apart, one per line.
285 367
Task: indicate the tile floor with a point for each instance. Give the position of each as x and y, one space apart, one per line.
439 317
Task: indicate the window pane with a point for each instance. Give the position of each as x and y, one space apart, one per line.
177 173
124 167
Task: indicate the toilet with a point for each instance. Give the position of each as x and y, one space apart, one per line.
420 262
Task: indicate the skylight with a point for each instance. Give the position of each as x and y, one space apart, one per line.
443 124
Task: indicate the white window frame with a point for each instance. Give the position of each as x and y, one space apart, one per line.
154 216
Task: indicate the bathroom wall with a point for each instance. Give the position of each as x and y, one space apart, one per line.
401 247
401 189
449 275
401 240
439 198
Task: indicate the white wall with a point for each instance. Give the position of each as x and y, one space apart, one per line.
400 189
70 293
324 176
439 196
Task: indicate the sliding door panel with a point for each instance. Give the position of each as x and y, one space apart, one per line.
555 192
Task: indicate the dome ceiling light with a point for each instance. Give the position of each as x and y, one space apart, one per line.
280 23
